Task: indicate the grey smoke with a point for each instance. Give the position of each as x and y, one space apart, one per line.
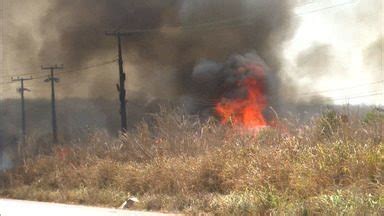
374 58
198 40
373 54
213 81
315 61
72 33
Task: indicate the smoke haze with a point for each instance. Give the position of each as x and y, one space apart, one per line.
193 39
373 54
315 61
158 63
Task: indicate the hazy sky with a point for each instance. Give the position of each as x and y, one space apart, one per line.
339 32
327 53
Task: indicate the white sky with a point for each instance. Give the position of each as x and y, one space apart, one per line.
349 27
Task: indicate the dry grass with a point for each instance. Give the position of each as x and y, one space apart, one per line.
332 166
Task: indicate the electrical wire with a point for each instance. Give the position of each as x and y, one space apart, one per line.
219 24
5 83
328 8
357 97
341 89
88 67
202 26
24 74
209 26
67 71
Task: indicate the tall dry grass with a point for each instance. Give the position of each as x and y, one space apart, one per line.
333 165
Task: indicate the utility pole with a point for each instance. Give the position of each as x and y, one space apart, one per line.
52 79
21 90
122 78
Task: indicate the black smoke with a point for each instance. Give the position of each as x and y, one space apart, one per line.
215 82
188 31
188 34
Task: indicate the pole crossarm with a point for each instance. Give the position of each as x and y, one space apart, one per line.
113 33
21 80
16 79
52 67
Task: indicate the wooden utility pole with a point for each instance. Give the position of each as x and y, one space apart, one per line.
52 79
21 90
122 78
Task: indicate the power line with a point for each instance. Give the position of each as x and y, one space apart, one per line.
356 97
24 74
33 78
5 83
66 71
243 18
202 26
325 91
305 94
341 89
89 67
208 102
328 8
209 25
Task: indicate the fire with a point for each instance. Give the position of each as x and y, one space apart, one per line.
245 110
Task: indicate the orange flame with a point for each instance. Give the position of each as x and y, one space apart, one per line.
247 111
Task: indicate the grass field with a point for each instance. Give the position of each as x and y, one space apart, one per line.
333 165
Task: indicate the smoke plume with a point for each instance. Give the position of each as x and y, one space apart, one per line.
159 62
373 54
228 88
189 57
315 61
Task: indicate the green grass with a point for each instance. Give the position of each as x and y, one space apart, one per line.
328 167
